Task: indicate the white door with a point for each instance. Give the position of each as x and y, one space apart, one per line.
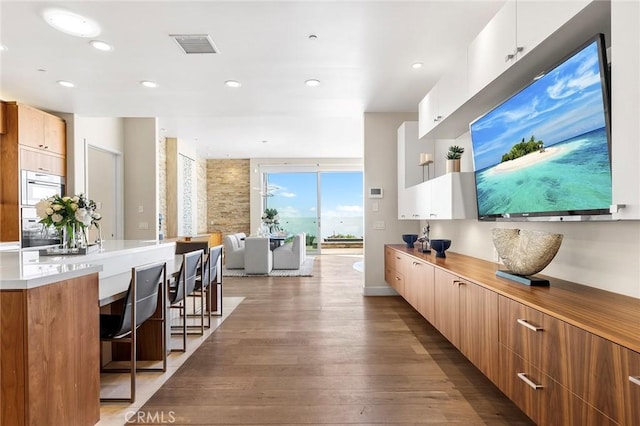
102 167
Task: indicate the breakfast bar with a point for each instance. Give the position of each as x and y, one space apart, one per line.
49 328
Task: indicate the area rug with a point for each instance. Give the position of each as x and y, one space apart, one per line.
306 270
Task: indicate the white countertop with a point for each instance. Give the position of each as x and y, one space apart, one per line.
25 268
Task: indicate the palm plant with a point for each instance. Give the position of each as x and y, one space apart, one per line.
455 152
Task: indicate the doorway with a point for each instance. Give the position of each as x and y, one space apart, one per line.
326 205
102 176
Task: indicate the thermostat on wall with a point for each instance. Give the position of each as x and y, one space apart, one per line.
375 192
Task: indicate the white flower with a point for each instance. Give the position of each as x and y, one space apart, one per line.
74 207
42 208
56 218
96 216
75 199
82 215
66 198
48 211
56 207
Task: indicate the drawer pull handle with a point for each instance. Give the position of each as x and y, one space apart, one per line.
524 378
397 278
524 323
635 380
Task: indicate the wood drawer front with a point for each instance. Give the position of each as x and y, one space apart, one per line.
42 162
536 337
552 403
593 368
632 387
397 282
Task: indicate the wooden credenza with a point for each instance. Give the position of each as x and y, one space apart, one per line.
565 354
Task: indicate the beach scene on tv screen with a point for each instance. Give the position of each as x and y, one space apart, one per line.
546 148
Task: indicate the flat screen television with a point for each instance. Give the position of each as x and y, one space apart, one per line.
545 152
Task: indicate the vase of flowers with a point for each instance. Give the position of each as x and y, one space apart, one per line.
271 220
70 216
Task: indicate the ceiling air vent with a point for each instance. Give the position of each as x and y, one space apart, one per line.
195 43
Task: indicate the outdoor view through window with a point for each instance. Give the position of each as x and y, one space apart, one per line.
337 196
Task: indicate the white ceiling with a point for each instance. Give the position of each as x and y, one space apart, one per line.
362 56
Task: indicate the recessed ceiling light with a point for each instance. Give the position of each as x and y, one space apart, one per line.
66 83
417 65
265 141
149 84
101 45
232 83
313 37
312 82
71 23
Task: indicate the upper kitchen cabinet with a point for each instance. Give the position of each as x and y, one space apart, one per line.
489 54
446 96
513 33
38 129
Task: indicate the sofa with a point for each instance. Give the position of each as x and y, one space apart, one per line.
291 255
258 257
234 247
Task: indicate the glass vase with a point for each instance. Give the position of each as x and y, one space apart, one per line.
69 241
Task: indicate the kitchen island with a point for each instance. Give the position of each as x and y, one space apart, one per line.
49 328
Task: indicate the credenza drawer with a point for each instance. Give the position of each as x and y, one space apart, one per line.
543 399
536 337
593 368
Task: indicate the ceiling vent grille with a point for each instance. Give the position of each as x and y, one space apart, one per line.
195 43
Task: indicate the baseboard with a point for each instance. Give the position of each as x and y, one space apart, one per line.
379 291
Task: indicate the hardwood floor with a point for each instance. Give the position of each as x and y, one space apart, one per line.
313 350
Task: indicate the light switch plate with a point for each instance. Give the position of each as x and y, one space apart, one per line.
378 224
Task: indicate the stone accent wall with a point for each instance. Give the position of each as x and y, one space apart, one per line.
201 188
228 190
162 183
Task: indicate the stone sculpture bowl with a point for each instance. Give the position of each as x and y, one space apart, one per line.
525 252
409 239
440 246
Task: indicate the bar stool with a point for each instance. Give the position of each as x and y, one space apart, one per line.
145 288
182 286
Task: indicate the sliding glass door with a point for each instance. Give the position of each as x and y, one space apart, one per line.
327 206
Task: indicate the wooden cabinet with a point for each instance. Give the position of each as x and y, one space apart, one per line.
565 354
394 270
27 145
544 400
596 373
42 162
479 328
50 351
38 129
3 118
447 307
423 274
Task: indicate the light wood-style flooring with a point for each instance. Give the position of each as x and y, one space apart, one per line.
314 350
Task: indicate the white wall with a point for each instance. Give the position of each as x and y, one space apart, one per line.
141 178
381 170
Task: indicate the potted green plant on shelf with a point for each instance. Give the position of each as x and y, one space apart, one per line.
453 158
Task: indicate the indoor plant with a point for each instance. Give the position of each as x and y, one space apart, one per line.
453 158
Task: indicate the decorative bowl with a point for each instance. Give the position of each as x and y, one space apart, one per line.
440 246
525 252
409 239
